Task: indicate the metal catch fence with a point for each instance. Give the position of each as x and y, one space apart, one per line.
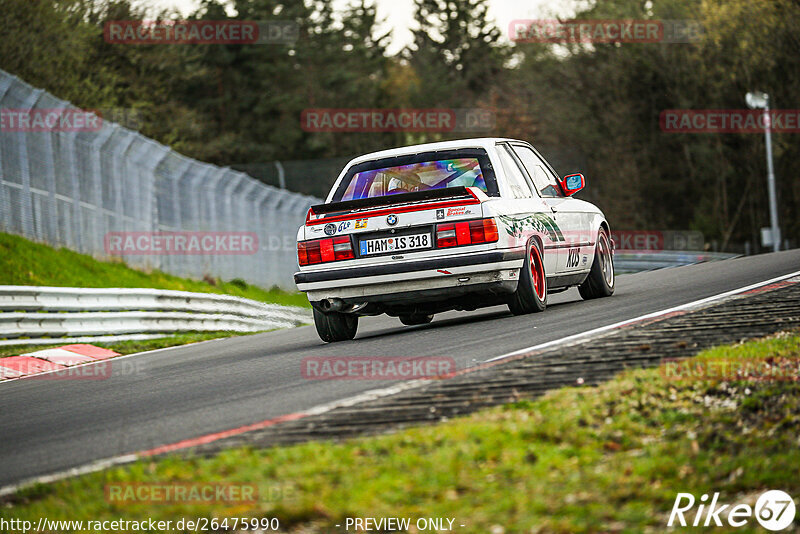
74 187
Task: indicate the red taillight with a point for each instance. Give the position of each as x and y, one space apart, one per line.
308 252
490 234
302 253
324 250
466 233
462 233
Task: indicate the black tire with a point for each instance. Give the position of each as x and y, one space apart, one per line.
531 293
335 326
601 280
411 320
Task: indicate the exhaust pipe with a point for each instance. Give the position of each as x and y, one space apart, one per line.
331 305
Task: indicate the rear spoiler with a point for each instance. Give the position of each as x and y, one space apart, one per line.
389 200
339 210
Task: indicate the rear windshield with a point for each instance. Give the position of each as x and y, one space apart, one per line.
419 172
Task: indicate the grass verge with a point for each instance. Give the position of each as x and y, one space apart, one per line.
23 262
583 459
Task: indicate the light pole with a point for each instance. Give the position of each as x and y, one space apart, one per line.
759 100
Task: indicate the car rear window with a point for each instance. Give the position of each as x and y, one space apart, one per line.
419 172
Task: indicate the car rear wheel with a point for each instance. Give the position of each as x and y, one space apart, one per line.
335 326
411 320
600 282
531 293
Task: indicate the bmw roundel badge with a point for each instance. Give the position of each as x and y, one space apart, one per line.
391 220
330 229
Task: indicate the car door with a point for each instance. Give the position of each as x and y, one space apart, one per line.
573 250
530 215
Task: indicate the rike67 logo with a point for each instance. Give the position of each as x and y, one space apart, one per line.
774 510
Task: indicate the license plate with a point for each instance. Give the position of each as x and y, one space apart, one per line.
395 244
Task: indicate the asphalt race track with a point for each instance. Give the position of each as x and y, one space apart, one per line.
167 396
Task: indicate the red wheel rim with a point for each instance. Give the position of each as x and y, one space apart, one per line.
537 272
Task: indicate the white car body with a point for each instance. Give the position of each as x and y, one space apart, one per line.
467 277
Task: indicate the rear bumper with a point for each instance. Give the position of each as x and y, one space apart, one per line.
496 267
419 266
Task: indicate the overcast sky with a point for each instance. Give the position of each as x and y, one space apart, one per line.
398 14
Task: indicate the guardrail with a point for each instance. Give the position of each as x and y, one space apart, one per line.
44 315
633 261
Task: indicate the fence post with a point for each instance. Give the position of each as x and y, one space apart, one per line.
119 153
26 202
146 160
264 250
249 264
235 180
97 184
5 201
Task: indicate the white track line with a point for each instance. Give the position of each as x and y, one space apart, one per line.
654 315
392 390
92 467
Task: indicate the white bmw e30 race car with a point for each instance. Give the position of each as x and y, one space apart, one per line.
456 225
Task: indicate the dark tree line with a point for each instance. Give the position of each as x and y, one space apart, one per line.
593 108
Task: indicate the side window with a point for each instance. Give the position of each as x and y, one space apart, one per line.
514 178
542 178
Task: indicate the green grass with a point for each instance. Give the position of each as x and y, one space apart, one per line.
129 347
582 459
23 262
